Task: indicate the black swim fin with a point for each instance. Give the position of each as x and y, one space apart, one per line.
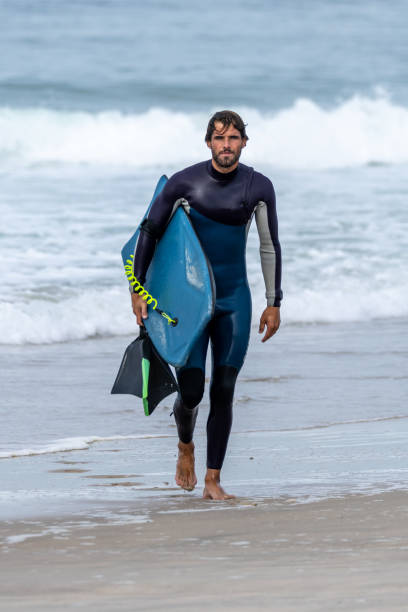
144 373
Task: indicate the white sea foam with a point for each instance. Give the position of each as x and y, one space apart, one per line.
71 444
340 299
357 131
22 537
340 305
77 318
343 259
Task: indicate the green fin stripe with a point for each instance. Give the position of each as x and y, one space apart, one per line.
145 375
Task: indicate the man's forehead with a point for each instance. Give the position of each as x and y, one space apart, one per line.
220 128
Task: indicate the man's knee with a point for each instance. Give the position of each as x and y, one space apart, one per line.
223 384
191 383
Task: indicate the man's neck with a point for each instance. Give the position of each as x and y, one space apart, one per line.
222 176
222 169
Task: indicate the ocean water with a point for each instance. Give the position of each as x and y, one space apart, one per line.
97 100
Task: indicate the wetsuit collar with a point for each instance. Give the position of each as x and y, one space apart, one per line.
221 176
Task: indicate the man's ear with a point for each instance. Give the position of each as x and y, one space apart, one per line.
208 144
244 141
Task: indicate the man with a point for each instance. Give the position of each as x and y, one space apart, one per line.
223 195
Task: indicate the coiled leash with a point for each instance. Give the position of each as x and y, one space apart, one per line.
140 290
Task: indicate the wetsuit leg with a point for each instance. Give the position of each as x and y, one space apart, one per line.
191 379
185 409
229 331
229 343
220 417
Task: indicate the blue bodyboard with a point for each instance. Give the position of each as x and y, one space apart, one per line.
181 281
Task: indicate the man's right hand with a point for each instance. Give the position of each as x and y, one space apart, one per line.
139 307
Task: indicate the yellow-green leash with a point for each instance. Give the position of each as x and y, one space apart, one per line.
138 288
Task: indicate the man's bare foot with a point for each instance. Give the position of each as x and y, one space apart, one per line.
213 489
185 474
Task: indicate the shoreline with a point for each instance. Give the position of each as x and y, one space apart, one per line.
319 413
347 553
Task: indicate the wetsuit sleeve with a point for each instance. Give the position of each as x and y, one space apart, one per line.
152 228
270 249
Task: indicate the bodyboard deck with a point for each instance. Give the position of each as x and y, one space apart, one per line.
181 283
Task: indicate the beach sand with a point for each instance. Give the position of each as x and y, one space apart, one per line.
348 553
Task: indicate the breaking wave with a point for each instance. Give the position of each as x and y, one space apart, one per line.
86 316
357 131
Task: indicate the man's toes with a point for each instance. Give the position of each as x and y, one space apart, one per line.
186 482
191 483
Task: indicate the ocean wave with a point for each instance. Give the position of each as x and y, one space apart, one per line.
71 444
85 316
357 131
337 306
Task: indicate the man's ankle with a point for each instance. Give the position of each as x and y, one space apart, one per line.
212 475
186 447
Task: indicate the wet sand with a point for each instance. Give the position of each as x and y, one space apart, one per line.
349 553
319 412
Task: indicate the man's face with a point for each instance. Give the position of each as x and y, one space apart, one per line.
226 146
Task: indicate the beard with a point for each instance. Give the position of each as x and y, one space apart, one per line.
225 162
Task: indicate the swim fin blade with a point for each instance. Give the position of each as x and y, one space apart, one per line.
144 373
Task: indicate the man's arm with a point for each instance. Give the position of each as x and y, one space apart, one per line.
153 227
150 231
271 259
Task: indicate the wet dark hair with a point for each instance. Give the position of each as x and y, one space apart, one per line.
227 118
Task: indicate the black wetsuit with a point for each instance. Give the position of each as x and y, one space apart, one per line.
221 207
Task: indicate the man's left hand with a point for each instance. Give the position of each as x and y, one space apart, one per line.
271 318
